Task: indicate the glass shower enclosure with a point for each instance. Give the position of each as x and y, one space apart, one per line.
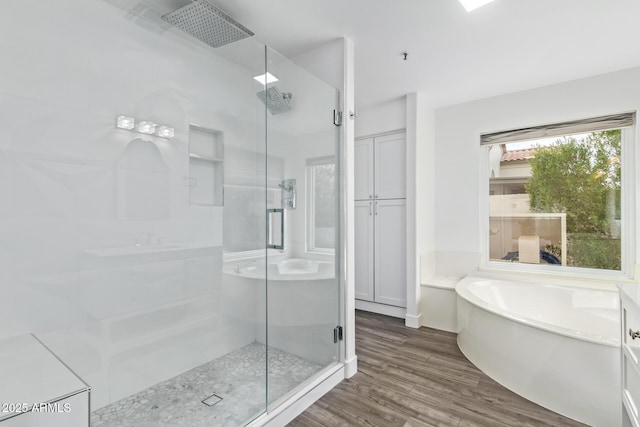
168 209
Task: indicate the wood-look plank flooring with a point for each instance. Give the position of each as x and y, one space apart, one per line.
417 378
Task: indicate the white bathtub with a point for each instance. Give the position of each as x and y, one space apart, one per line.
558 346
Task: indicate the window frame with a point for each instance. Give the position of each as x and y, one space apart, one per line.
628 227
310 202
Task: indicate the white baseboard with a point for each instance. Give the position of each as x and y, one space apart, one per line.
304 398
413 321
387 310
351 367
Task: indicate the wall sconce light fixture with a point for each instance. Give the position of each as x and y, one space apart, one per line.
144 126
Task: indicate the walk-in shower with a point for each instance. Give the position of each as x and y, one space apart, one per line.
137 170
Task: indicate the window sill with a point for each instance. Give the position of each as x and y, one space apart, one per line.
590 278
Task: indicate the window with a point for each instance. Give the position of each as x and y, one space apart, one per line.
556 194
321 204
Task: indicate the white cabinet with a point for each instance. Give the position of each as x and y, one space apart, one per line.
364 249
363 169
390 252
630 349
380 165
380 220
390 178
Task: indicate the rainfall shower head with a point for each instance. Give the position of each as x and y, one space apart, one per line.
277 102
207 23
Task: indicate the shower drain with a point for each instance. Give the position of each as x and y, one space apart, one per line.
212 400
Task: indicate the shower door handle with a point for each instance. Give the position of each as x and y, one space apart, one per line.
275 228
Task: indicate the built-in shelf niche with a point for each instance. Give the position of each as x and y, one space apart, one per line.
206 166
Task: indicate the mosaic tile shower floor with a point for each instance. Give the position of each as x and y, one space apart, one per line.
237 377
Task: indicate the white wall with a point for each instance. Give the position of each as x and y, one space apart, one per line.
420 197
381 118
457 151
326 62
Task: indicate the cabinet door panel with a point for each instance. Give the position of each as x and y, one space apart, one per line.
363 168
390 166
390 252
364 250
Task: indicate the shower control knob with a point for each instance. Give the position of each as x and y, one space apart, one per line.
634 334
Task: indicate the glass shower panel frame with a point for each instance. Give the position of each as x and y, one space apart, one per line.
303 286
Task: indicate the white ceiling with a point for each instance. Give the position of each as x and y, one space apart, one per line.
454 56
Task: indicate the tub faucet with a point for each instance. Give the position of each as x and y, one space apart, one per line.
240 266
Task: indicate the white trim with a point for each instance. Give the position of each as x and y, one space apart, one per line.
301 400
387 310
629 202
412 321
351 367
347 227
412 263
379 134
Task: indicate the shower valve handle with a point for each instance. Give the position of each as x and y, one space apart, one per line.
634 334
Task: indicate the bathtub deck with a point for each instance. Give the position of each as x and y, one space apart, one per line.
418 377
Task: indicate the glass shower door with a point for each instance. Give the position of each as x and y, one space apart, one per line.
302 294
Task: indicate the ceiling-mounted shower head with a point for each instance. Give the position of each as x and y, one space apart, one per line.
207 23
277 102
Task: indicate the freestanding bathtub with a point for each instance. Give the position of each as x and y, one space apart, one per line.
555 345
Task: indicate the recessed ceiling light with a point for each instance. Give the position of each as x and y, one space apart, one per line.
474 4
267 78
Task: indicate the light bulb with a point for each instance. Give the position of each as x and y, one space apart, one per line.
124 122
165 132
146 127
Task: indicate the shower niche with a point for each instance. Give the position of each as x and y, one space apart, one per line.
206 166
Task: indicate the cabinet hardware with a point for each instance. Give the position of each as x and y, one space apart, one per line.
376 208
370 208
634 334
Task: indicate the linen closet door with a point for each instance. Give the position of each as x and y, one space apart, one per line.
390 180
364 172
364 243
390 252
